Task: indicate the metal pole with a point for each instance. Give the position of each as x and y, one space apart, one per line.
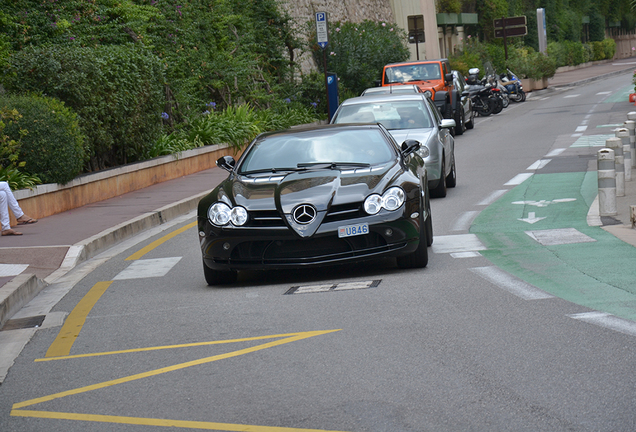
623 134
616 144
324 65
606 182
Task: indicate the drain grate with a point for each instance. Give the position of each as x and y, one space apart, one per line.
24 323
343 286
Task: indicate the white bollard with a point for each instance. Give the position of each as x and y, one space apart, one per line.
606 182
623 134
631 127
616 144
631 115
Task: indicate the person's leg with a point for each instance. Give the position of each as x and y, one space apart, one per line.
4 211
11 201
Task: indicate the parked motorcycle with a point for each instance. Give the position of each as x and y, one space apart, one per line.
513 86
484 100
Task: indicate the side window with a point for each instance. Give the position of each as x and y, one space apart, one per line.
434 111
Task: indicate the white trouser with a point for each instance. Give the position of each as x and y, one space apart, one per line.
8 201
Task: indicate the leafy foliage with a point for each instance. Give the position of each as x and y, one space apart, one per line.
9 152
51 143
357 52
117 91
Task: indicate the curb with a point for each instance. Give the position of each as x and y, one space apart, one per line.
23 288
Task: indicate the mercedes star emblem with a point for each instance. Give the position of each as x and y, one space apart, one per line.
304 214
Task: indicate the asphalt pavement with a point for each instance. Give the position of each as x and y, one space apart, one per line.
56 244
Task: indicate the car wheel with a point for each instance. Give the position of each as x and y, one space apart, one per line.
471 123
418 258
218 277
429 220
451 179
459 120
440 190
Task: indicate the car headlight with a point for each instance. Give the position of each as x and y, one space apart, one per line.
428 93
391 200
220 214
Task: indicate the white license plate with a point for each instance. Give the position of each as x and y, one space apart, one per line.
353 230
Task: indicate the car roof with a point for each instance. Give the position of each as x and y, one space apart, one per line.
393 88
315 127
418 62
384 98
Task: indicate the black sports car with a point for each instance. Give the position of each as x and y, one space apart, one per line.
318 195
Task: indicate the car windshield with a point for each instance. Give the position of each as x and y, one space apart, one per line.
392 115
320 149
411 73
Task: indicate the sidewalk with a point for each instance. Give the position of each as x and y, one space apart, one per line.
54 245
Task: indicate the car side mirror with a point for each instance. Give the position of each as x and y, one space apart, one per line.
226 162
447 123
448 78
409 146
378 83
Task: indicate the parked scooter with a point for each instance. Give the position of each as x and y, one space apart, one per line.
501 94
513 86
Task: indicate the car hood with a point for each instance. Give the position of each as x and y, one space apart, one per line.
421 135
321 189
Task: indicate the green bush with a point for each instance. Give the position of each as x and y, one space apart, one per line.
609 47
53 146
117 91
357 52
10 163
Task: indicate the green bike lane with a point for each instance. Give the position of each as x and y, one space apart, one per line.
538 232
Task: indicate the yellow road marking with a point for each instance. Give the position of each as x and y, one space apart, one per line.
143 251
65 339
159 422
188 345
105 384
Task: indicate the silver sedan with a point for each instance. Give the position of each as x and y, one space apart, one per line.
411 116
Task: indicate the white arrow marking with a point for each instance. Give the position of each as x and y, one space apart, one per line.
531 218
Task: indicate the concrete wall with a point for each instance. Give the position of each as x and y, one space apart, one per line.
49 199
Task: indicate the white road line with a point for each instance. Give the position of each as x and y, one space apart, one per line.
555 152
608 321
457 243
581 129
462 223
518 179
465 254
538 164
511 284
148 268
492 197
571 96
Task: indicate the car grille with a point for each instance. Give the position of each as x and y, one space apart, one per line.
307 251
272 218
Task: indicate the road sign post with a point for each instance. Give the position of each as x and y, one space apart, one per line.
510 27
322 38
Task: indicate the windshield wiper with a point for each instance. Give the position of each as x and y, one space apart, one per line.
272 170
333 165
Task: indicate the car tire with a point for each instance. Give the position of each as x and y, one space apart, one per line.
471 123
418 258
429 220
451 179
440 190
459 121
218 277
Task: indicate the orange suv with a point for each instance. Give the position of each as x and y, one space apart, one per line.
434 77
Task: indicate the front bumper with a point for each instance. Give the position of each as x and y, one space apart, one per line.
391 234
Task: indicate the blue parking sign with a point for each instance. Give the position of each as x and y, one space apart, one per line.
322 35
